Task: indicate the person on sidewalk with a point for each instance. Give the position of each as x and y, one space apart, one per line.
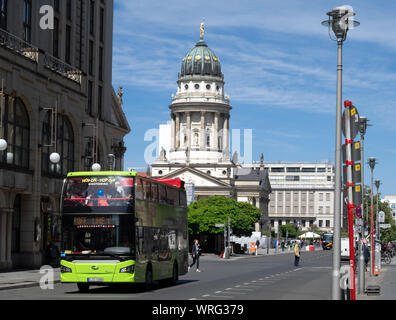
366 254
297 254
195 253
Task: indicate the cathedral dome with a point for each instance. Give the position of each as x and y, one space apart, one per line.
201 60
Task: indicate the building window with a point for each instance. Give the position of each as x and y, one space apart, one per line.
292 178
68 45
27 21
56 5
101 64
90 96
320 196
196 86
327 223
277 169
208 140
328 178
102 24
65 145
16 126
46 141
100 102
91 57
308 170
208 86
320 223
92 17
55 38
327 196
321 170
3 14
69 9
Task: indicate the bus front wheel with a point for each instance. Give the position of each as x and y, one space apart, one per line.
83 287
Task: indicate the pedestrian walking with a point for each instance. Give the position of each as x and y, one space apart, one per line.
296 254
366 254
195 252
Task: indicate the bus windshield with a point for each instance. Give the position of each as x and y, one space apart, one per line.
96 234
327 237
98 194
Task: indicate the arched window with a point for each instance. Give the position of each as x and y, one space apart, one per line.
45 141
16 130
65 145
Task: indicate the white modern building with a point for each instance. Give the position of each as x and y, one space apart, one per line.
392 204
302 194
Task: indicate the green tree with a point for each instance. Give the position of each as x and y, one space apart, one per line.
205 213
290 228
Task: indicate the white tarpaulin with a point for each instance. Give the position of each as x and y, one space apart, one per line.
309 235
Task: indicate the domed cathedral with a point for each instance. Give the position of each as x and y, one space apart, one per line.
198 151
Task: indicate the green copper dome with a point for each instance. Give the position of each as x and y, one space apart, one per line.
201 60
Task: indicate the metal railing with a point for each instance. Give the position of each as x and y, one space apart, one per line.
18 45
62 68
31 52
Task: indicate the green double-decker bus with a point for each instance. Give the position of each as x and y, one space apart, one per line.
118 227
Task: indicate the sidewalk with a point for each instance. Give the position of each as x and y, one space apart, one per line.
24 279
386 280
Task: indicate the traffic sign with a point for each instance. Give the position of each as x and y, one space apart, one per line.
356 156
385 225
219 225
358 212
381 217
354 122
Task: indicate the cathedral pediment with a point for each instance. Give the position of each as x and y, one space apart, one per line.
197 177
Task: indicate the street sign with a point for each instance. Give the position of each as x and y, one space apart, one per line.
354 122
357 194
190 188
385 225
381 217
359 222
355 152
358 212
219 225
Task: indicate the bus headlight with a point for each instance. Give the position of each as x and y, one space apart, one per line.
64 269
128 269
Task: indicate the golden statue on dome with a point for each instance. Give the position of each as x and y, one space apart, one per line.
202 28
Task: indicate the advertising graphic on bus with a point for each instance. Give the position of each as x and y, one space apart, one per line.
327 241
118 227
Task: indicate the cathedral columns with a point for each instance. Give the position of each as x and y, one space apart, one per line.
202 144
188 115
173 135
177 130
216 131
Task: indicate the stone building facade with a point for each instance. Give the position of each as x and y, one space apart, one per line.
57 96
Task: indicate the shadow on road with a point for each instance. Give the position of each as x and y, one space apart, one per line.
129 288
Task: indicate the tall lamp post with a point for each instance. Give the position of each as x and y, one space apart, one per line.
377 233
362 128
372 162
340 22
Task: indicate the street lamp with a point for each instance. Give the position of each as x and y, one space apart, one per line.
340 22
362 128
377 233
372 163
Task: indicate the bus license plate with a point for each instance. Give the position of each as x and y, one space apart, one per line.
94 279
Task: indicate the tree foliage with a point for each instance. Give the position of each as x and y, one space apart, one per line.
204 214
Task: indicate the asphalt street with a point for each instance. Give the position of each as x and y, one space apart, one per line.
272 277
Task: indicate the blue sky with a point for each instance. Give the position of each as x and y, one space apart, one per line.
279 67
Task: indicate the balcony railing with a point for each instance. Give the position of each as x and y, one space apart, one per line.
18 45
62 68
30 52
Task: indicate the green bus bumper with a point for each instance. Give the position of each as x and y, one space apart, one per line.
96 272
